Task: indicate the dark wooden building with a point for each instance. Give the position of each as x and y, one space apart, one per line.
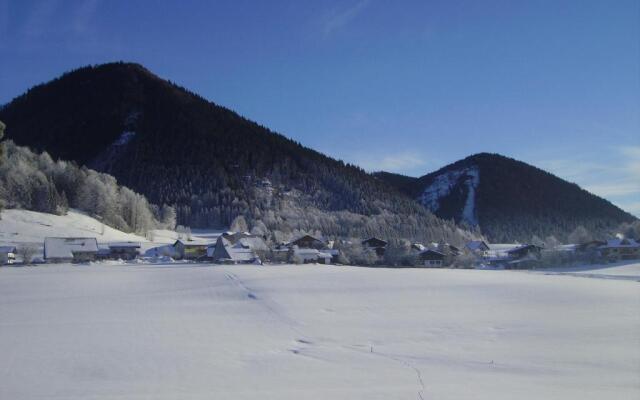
432 258
378 245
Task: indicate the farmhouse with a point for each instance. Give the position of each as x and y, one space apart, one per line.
236 249
308 242
61 249
620 249
7 254
432 258
376 244
190 249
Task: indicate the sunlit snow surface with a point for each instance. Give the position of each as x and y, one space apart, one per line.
315 332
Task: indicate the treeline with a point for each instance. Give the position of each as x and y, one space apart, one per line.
36 182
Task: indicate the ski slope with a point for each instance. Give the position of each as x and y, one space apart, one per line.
314 332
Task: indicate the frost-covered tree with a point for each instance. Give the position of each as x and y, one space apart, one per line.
580 235
37 182
239 224
168 215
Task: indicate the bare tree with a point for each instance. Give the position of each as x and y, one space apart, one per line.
26 252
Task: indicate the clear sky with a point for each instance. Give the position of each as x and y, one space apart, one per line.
404 86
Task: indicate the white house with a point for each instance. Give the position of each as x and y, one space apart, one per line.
61 249
7 254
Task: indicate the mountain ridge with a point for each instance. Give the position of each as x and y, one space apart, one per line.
512 199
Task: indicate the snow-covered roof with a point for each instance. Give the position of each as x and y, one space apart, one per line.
255 243
476 245
60 247
241 254
7 249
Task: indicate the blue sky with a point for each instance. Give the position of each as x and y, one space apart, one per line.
405 86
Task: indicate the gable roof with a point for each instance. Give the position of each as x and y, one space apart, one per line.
8 249
477 245
374 241
61 247
431 254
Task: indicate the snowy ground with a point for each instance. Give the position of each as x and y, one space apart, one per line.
314 332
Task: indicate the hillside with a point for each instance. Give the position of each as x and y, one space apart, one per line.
19 227
177 148
509 199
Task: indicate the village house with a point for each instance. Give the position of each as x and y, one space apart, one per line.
190 249
7 254
620 249
376 244
237 248
63 250
505 255
308 242
431 258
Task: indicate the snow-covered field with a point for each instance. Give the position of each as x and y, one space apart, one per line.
314 332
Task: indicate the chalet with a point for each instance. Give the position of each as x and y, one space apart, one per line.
237 248
190 249
306 256
308 242
7 254
620 249
432 258
61 249
226 251
376 244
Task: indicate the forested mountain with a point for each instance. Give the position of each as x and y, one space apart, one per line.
509 199
178 148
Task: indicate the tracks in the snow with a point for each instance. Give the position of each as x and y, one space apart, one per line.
302 338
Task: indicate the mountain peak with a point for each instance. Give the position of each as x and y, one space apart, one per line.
509 199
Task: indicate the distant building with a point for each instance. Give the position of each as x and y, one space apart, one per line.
620 249
119 250
237 249
308 242
376 244
432 258
7 254
307 256
478 247
190 249
61 249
